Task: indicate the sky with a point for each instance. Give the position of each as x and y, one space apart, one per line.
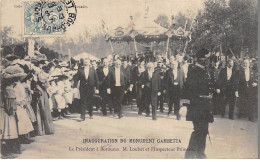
114 13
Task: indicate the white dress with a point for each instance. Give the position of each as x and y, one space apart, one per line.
8 123
24 122
52 90
76 94
59 98
68 93
29 108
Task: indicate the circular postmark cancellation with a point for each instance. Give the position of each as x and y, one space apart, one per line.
49 17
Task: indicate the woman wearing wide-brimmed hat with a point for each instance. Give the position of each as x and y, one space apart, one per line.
16 122
26 82
43 103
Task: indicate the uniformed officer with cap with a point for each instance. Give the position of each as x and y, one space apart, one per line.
200 110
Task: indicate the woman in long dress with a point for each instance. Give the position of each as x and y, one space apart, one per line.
43 103
27 85
35 105
16 123
24 123
10 144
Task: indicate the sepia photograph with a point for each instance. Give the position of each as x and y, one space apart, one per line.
129 79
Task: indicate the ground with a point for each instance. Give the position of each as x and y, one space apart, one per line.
229 138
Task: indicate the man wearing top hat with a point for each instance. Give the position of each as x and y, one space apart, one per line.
200 110
89 85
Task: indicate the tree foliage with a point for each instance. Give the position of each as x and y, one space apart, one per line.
162 20
230 24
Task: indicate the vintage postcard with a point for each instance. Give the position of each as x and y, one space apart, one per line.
135 79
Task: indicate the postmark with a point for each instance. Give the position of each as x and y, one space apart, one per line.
49 17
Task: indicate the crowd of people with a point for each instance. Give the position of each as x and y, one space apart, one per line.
35 92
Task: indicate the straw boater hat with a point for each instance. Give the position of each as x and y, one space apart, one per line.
14 71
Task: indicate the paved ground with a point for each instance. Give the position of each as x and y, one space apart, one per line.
229 138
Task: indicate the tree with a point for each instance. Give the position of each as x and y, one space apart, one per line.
162 20
180 20
4 35
210 27
244 25
231 25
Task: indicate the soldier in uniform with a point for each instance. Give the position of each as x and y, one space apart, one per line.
200 110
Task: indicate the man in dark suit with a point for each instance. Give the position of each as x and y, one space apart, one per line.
174 80
228 82
248 92
89 84
200 109
97 100
127 71
136 79
103 76
151 85
214 75
160 99
117 86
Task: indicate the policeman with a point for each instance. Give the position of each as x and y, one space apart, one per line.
200 110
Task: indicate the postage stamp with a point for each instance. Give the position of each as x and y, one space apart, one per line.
49 17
